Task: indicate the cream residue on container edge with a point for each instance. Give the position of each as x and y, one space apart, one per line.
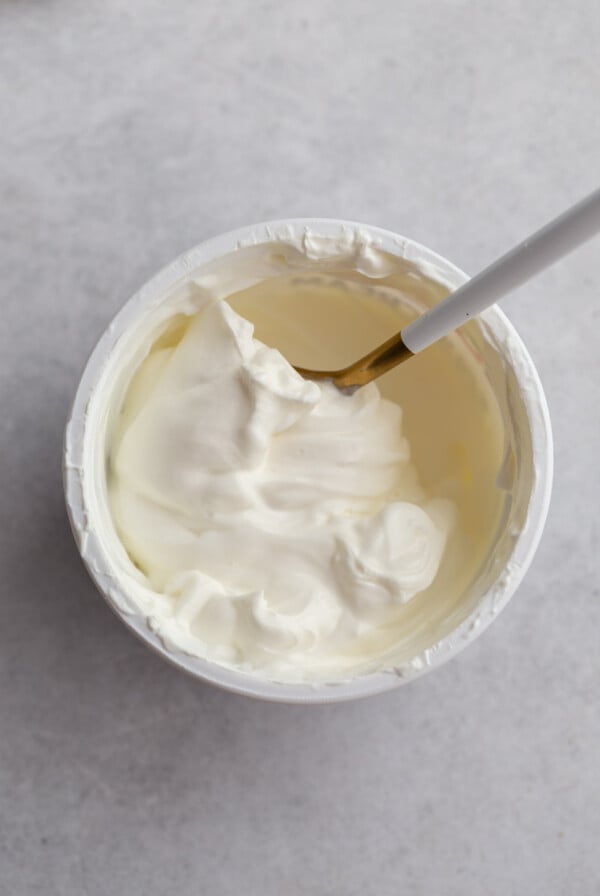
279 524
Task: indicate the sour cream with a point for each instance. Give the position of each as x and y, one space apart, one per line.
279 524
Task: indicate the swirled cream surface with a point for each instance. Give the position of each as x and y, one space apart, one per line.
280 523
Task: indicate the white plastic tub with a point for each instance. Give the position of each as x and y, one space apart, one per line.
322 244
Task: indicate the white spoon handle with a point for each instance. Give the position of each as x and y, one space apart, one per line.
565 233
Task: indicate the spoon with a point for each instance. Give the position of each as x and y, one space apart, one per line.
565 233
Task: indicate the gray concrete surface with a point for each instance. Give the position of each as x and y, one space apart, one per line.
133 130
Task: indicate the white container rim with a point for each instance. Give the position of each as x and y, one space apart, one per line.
438 268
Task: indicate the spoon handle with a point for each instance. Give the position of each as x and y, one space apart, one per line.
539 251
